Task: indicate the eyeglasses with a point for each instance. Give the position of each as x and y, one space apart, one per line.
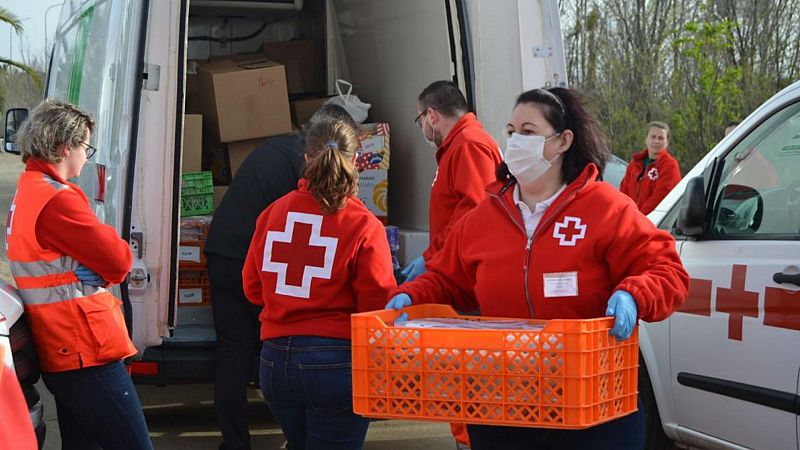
419 116
90 151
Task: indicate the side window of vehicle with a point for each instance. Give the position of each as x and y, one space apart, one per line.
759 192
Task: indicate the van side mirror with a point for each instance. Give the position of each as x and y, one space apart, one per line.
692 212
14 119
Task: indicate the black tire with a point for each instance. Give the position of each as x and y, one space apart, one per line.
654 436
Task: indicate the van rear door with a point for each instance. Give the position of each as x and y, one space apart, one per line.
94 64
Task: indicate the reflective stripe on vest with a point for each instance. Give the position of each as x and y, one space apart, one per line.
73 325
42 282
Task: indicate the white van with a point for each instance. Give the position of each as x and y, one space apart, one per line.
125 62
725 368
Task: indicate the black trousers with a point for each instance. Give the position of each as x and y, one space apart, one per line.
237 326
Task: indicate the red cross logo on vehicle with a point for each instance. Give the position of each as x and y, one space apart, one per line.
652 174
299 254
569 231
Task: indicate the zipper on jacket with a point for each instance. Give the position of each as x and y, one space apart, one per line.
528 246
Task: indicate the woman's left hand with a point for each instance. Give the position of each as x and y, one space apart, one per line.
623 307
89 277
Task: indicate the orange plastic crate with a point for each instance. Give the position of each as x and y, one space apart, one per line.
190 284
570 375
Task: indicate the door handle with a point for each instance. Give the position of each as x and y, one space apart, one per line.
781 278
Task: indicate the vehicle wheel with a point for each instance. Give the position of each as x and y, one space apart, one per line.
654 436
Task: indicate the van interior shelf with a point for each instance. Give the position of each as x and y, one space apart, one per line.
225 7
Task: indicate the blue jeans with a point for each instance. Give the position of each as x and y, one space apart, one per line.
98 408
307 382
626 433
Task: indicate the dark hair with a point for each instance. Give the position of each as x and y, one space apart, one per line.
330 171
564 109
732 123
443 96
331 112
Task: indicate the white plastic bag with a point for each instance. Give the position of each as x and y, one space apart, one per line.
351 103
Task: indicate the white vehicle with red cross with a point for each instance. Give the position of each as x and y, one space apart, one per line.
725 368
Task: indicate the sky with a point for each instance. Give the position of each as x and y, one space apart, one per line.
32 14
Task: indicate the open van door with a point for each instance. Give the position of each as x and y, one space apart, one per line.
96 64
492 50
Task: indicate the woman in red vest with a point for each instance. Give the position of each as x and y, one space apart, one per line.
552 242
63 259
317 256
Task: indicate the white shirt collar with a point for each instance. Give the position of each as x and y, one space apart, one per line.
539 206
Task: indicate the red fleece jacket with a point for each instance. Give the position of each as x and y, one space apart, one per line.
310 271
67 223
648 187
488 262
468 159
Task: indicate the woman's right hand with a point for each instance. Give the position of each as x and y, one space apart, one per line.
399 302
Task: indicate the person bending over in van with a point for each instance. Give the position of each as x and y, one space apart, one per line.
318 255
552 242
271 171
63 259
653 172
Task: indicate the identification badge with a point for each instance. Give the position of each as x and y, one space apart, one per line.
561 284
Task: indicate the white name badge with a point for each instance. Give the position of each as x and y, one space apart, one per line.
561 284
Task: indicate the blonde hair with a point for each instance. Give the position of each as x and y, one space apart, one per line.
52 125
330 171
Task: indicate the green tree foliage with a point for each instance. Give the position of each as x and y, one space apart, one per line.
7 66
695 65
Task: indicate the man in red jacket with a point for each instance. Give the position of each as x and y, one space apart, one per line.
653 172
467 157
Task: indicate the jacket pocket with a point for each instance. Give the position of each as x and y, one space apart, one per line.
106 326
329 387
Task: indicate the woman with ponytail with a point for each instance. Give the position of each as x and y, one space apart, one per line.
552 241
317 256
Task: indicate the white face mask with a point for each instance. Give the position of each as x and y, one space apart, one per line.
433 133
525 157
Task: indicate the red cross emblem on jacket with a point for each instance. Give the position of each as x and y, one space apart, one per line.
299 254
569 231
652 174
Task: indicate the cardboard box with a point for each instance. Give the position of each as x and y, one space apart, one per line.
305 68
192 154
374 147
238 151
302 110
373 191
219 193
244 100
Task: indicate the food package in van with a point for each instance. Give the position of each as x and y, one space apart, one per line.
373 147
357 109
373 191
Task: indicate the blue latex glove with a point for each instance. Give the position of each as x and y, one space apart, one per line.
623 307
399 302
88 277
415 268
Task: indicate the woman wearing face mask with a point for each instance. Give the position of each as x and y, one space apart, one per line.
553 242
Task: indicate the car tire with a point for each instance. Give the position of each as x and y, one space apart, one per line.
654 436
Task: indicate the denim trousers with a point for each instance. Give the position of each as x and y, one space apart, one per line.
307 383
98 408
626 433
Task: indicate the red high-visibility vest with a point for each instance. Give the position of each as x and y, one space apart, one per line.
16 428
73 325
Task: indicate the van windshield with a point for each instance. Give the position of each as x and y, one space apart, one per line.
93 66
